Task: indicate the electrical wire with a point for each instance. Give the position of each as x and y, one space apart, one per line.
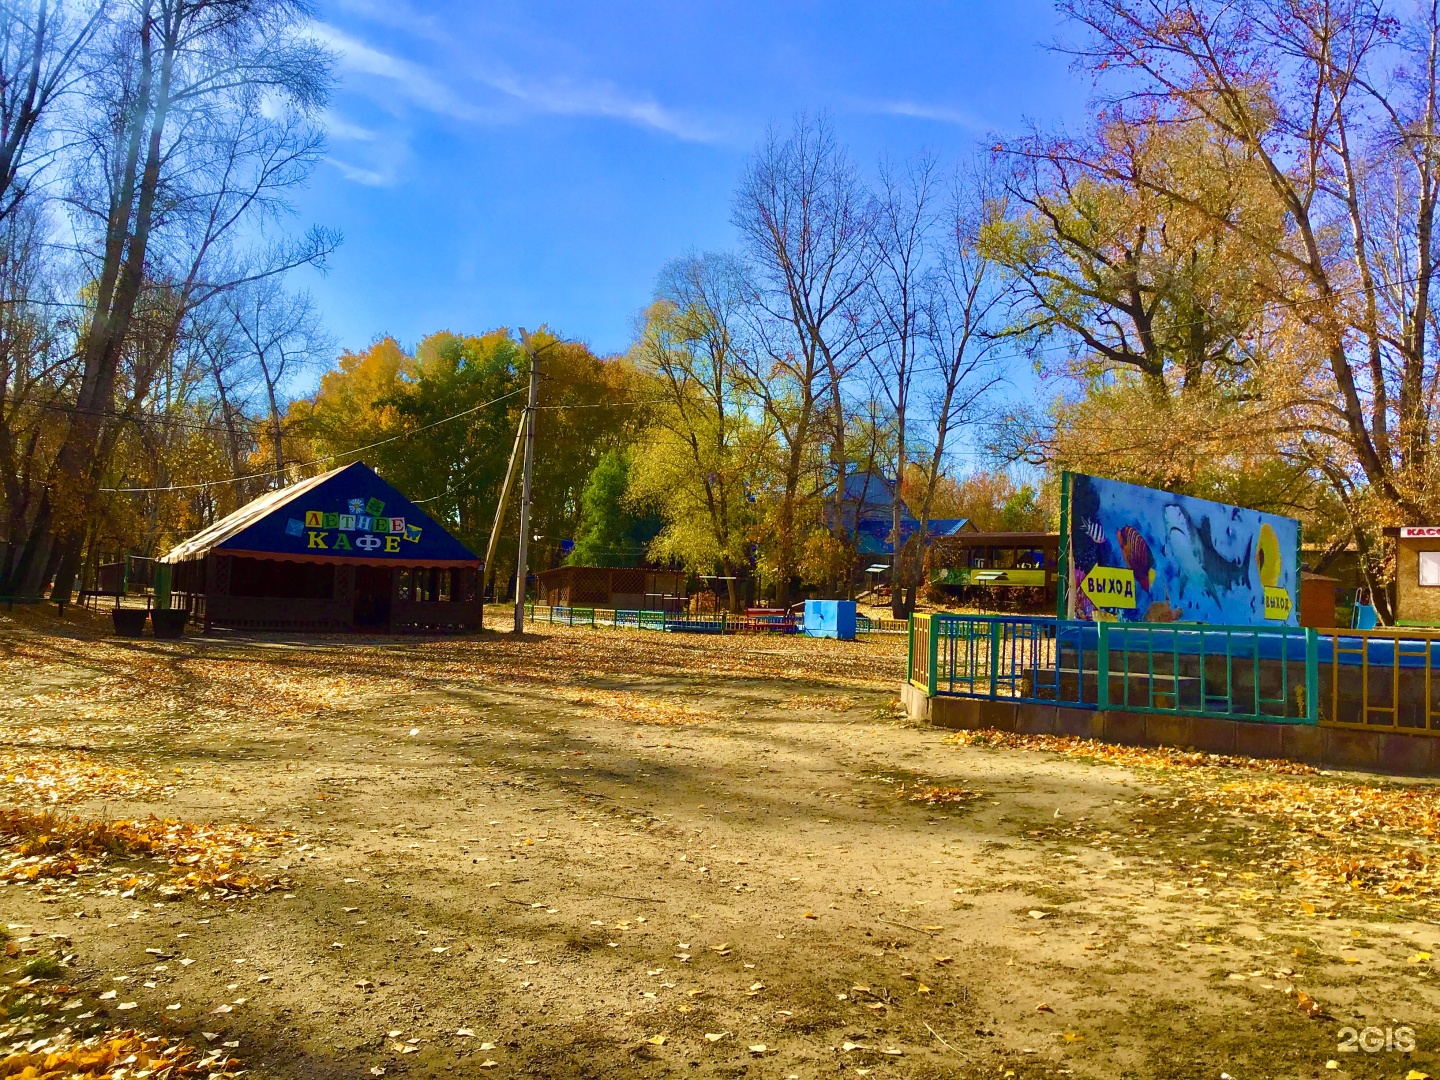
319 460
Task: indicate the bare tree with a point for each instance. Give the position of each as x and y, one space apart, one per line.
904 218
803 219
961 303
282 335
41 45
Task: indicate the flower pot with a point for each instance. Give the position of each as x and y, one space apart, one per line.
169 623
129 622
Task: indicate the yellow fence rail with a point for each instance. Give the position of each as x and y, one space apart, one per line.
1380 680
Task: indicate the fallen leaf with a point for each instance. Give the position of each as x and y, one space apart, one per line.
715 1036
465 1033
1074 1036
759 1048
1037 914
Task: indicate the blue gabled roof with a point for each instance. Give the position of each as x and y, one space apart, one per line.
348 514
872 537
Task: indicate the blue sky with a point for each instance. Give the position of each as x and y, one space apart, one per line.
515 163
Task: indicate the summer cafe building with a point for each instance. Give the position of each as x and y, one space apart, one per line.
342 551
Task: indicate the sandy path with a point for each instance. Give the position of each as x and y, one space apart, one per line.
594 849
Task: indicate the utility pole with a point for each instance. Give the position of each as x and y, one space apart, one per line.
488 569
521 567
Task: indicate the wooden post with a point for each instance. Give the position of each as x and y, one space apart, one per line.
487 569
521 567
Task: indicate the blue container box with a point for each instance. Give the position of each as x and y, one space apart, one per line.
830 618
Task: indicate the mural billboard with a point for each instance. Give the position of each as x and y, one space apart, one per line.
1136 554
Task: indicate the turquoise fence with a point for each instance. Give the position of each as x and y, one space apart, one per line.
1233 672
1237 673
685 623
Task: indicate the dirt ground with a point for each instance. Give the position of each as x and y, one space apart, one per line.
596 853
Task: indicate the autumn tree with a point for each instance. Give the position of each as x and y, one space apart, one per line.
194 119
1333 106
698 462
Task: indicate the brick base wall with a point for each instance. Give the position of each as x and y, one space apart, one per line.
1328 747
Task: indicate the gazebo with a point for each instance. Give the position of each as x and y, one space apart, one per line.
341 551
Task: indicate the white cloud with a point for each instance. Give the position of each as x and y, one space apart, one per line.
601 99
358 174
940 114
337 127
417 85
412 81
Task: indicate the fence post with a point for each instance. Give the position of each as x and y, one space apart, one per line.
1312 676
910 652
1102 665
934 642
995 629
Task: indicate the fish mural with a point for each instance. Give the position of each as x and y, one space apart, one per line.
1138 554
1192 548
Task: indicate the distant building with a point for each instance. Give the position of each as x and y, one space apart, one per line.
624 588
1014 569
1417 575
869 515
341 551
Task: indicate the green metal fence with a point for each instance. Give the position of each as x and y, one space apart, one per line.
1231 672
1238 673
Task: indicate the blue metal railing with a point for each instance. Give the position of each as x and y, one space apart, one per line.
1015 657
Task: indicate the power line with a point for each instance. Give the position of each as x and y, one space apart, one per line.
319 460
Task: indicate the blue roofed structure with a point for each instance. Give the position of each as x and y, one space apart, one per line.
339 551
869 515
